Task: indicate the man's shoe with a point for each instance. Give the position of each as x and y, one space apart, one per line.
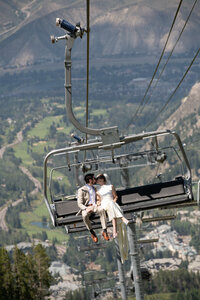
105 236
94 238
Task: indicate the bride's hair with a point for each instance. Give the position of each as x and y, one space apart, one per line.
101 176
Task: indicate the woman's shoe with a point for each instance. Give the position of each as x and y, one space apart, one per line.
126 222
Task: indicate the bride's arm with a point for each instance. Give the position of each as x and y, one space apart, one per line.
115 197
98 197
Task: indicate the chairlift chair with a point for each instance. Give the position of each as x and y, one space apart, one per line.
63 208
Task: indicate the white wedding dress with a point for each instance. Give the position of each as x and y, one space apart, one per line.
112 208
114 211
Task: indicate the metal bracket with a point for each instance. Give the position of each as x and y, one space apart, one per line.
110 136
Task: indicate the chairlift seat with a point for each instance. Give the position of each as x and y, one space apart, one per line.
153 195
131 200
151 191
66 210
66 207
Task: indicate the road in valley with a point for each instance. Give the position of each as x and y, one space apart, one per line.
38 187
3 212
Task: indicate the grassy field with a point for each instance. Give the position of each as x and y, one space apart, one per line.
167 296
21 152
31 222
99 112
41 129
39 147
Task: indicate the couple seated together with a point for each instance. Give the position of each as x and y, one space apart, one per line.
99 200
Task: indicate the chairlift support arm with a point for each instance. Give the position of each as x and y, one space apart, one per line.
108 135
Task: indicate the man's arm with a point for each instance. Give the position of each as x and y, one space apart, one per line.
80 199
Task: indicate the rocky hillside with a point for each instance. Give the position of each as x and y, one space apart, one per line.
117 28
189 105
185 121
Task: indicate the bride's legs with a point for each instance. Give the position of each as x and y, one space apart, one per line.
114 223
125 220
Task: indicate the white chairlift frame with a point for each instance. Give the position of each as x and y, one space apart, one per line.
98 145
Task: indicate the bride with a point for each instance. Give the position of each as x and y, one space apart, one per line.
107 196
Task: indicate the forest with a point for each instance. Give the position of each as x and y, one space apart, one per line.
24 276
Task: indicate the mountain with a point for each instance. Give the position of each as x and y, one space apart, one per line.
117 28
189 105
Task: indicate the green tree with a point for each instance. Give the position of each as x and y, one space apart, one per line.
33 276
6 278
76 295
52 130
21 273
178 281
42 263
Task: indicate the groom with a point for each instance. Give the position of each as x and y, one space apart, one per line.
88 205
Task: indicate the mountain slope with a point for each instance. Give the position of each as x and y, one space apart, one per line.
189 105
117 28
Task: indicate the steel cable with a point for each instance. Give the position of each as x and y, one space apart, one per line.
88 57
170 55
158 61
169 99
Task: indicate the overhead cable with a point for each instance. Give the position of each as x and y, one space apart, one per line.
169 99
158 61
88 57
170 54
